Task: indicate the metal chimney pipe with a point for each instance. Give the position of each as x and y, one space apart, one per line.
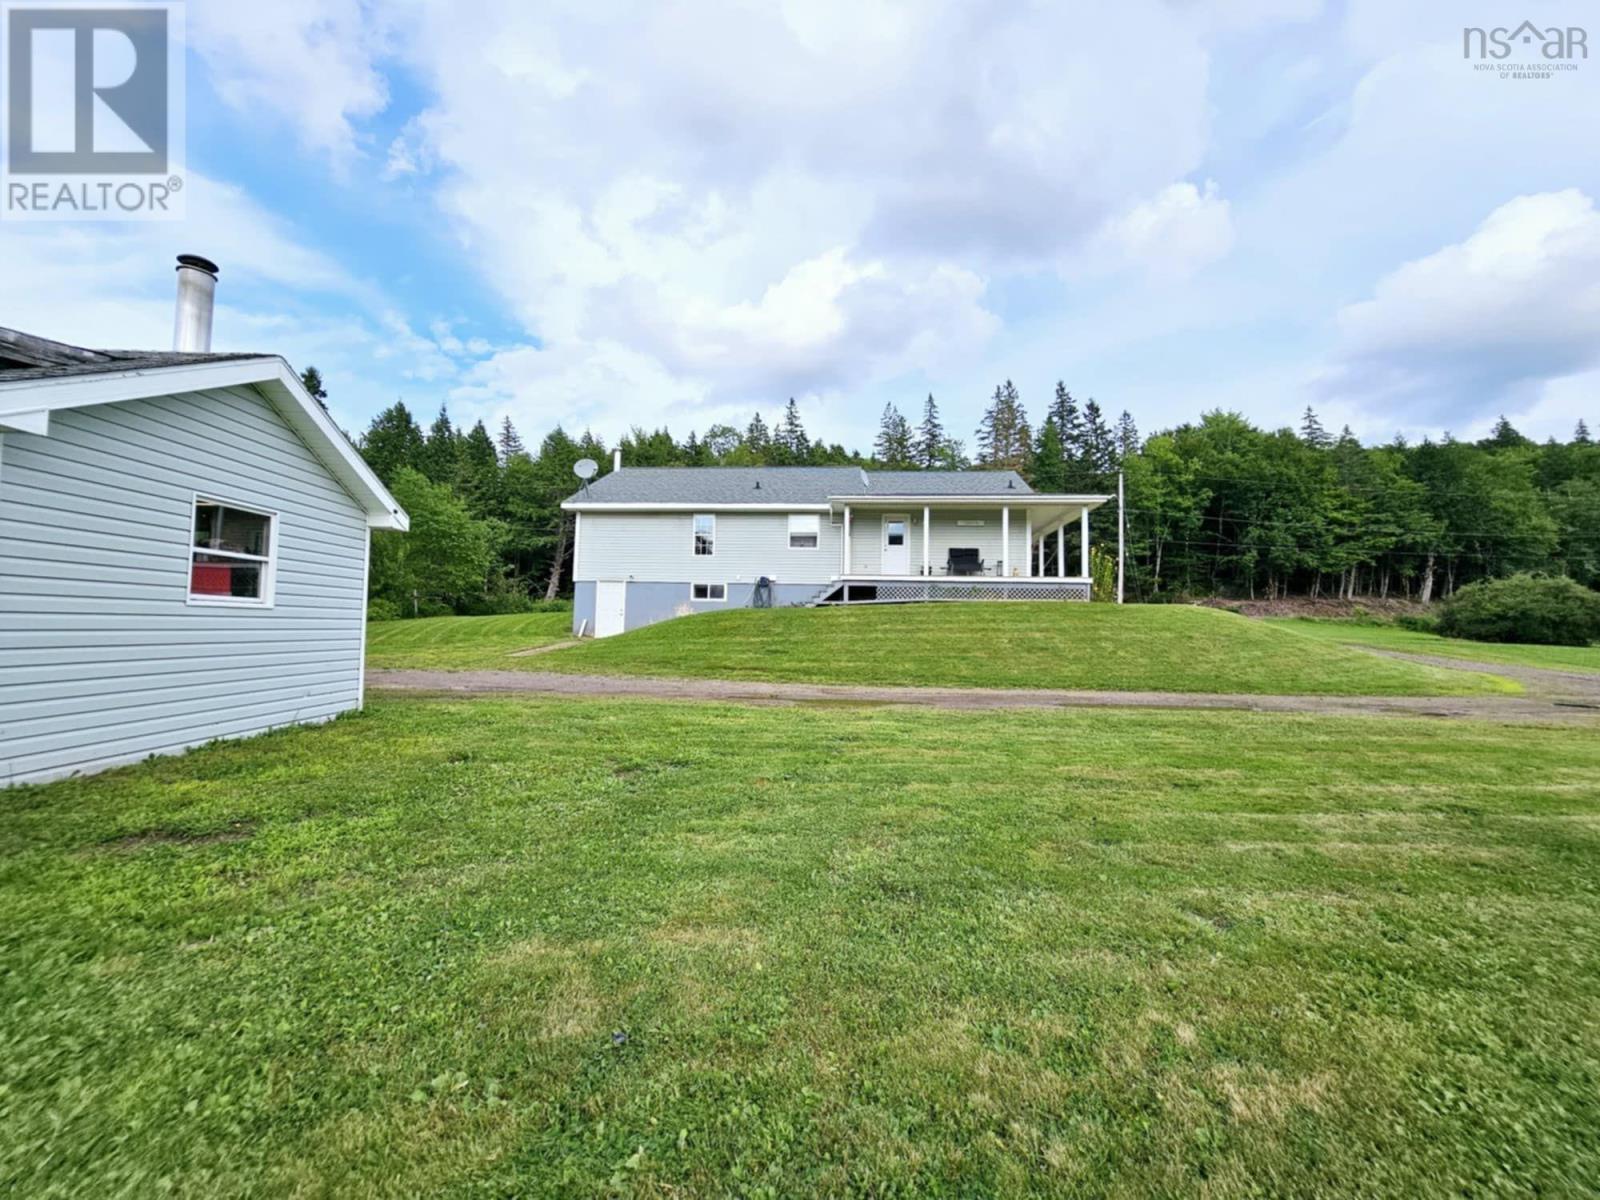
616 460
197 290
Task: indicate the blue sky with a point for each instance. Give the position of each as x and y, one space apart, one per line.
606 214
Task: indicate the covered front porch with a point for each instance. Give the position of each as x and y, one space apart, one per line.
898 549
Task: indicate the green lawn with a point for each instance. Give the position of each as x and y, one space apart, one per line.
1168 648
551 947
1392 637
459 643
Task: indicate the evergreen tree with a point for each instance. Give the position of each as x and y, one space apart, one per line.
311 380
392 442
510 442
478 473
1127 437
1099 448
1312 433
440 456
931 440
894 448
1068 423
1504 436
1580 435
1004 439
790 445
1049 461
757 440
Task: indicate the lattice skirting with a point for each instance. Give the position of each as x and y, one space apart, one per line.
900 592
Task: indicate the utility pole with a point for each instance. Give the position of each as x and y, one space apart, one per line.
1122 541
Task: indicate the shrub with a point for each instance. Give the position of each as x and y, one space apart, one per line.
1417 623
1540 609
380 609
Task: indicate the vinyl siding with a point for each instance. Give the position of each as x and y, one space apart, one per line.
866 539
659 547
102 660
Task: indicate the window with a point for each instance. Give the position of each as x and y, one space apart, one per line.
705 534
708 591
804 531
895 531
231 558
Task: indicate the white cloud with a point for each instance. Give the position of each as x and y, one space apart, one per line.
314 61
1176 232
1463 329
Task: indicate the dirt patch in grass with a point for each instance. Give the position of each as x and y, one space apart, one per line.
236 831
1302 606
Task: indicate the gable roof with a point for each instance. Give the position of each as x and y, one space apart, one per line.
786 485
39 376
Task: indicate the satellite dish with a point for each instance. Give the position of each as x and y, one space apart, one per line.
585 469
866 480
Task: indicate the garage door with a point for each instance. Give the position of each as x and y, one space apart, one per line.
610 607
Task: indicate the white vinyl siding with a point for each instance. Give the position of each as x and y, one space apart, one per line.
659 547
866 539
102 658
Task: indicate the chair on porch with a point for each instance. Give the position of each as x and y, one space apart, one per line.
964 561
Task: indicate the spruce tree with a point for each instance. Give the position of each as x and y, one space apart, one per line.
1127 437
791 445
930 447
392 442
311 380
510 442
757 440
1312 433
1098 447
440 456
1068 423
1580 435
1049 462
1004 439
893 447
478 472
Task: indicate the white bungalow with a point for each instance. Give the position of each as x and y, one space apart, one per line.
660 542
183 548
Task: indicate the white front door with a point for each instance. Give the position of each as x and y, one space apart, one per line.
610 607
896 544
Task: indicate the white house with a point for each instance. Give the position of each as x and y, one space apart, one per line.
659 542
183 548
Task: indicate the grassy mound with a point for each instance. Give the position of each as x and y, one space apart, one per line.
460 643
1098 647
1392 637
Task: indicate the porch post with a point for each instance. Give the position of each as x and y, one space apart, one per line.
1027 542
1061 550
1005 541
926 521
844 554
1083 551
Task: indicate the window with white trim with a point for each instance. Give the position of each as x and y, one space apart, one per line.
805 531
705 534
708 591
231 558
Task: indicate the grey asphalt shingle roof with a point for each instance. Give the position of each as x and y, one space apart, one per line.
24 356
787 485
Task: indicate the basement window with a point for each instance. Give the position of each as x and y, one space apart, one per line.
705 534
804 531
231 555
708 591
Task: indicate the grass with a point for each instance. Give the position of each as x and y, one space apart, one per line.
1013 645
540 947
1392 637
461 643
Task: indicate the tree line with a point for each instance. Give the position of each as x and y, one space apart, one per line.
1218 507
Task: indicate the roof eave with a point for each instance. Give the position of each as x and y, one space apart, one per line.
24 401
